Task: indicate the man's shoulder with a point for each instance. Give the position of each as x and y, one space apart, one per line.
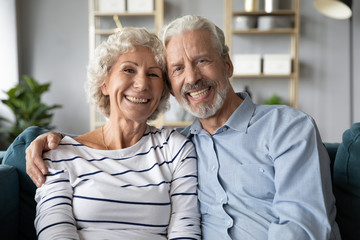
185 131
281 111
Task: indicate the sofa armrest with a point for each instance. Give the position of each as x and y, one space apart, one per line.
15 157
347 183
9 202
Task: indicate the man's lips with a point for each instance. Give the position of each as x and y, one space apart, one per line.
137 100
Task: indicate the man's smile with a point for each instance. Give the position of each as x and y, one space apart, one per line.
199 93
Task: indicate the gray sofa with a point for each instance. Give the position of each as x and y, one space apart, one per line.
17 205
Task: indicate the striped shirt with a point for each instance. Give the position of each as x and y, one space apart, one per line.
146 191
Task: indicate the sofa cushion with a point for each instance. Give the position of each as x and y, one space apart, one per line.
9 202
347 183
15 156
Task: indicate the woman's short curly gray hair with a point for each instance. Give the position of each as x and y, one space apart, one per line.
106 55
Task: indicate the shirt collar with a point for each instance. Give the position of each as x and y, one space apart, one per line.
238 121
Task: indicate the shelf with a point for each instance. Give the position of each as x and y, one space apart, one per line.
271 31
233 34
123 14
111 31
265 76
263 13
178 124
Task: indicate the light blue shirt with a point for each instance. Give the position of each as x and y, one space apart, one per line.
265 174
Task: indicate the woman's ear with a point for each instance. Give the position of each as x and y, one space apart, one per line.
104 89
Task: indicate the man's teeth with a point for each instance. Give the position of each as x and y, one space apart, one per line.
137 100
199 93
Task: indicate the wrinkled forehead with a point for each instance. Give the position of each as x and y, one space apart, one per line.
190 43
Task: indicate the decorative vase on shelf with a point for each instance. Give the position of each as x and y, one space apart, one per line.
251 5
271 5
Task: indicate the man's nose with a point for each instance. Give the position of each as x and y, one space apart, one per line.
193 74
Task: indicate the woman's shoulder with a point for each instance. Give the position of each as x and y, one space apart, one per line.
67 149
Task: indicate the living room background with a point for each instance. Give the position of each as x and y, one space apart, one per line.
53 45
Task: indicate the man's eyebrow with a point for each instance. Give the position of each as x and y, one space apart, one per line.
204 55
175 64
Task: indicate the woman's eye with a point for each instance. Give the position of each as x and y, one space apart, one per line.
153 75
129 70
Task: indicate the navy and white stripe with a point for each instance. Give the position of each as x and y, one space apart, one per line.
146 191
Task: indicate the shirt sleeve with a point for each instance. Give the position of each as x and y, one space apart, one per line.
54 215
185 216
303 197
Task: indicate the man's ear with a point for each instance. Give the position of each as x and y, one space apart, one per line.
229 66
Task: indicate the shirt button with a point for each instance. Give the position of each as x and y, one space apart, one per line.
261 170
213 168
229 223
224 129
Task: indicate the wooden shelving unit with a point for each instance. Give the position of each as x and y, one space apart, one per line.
294 32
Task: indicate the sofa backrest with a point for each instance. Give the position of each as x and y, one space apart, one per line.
15 157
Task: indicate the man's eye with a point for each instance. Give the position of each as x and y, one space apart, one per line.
177 69
202 60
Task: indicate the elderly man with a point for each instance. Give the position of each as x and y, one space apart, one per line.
263 171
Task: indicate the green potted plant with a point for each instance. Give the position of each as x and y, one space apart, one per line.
24 100
274 100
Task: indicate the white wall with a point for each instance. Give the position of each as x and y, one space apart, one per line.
8 49
54 47
324 72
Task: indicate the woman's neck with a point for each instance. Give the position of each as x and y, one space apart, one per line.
115 134
122 134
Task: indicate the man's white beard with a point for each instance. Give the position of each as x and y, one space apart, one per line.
205 110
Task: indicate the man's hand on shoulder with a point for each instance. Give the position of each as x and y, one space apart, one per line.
35 166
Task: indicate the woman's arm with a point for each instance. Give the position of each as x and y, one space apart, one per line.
54 215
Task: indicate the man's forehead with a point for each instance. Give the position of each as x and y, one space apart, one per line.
191 36
195 41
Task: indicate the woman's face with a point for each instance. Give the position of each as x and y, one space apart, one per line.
135 85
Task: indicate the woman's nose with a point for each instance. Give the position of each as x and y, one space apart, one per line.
141 82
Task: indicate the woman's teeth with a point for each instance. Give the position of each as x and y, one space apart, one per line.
137 100
199 93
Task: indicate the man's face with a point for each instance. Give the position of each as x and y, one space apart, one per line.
198 74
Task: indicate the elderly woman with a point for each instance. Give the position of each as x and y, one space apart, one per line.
126 180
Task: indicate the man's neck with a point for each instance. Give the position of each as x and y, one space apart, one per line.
216 121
